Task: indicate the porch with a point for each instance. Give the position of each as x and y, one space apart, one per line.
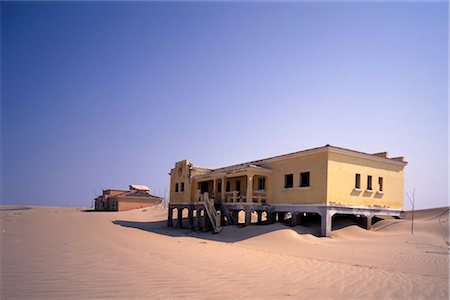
247 185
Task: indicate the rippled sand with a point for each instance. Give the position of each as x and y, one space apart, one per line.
55 253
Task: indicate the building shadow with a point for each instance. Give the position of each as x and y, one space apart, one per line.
236 233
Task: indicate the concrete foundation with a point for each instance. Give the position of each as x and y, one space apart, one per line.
230 212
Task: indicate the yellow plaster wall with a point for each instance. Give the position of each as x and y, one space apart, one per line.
129 204
341 182
316 164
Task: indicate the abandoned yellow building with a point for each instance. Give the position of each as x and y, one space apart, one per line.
138 196
323 181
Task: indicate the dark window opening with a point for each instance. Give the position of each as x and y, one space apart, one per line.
238 185
228 186
182 187
380 182
304 179
261 183
369 183
358 181
203 187
219 187
288 180
176 187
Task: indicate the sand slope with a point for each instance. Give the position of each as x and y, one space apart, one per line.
53 252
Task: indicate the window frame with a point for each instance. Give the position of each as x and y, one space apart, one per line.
380 184
308 183
182 187
176 187
357 181
369 183
261 183
291 185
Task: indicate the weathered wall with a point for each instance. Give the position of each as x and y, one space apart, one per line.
184 173
129 204
315 163
341 182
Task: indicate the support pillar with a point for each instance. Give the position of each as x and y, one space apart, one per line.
299 218
203 221
199 219
191 217
294 218
248 217
223 193
271 217
236 217
206 221
281 216
325 222
194 219
368 221
214 195
249 188
259 217
180 217
170 217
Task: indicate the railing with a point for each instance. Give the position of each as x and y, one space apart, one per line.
259 196
214 216
233 196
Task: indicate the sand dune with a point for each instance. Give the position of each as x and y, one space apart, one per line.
54 252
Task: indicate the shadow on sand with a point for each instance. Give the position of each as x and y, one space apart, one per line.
235 233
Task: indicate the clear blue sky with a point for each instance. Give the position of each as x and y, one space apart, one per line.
98 95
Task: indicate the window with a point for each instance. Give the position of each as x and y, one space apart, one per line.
228 186
380 182
219 186
176 187
182 187
238 185
304 179
288 180
369 183
357 181
204 187
261 183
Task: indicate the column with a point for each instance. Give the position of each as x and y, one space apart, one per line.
249 188
215 190
294 218
203 221
191 217
248 217
236 217
325 222
224 186
368 221
281 216
259 216
180 218
207 221
299 218
271 217
170 217
199 219
194 219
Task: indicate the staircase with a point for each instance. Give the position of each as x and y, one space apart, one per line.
213 215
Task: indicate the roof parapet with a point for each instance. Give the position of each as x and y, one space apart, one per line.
399 158
381 154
